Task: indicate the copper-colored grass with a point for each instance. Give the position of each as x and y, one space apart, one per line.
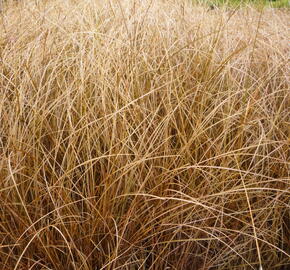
143 135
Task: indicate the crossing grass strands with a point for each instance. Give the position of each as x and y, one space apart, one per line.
143 135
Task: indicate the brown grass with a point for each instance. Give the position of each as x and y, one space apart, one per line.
143 135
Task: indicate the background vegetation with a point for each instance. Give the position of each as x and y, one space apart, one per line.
237 3
143 135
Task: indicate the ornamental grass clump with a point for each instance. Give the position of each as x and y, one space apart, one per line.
143 135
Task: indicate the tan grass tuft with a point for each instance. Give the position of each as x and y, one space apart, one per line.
143 135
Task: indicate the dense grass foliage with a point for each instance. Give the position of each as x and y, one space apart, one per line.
143 135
